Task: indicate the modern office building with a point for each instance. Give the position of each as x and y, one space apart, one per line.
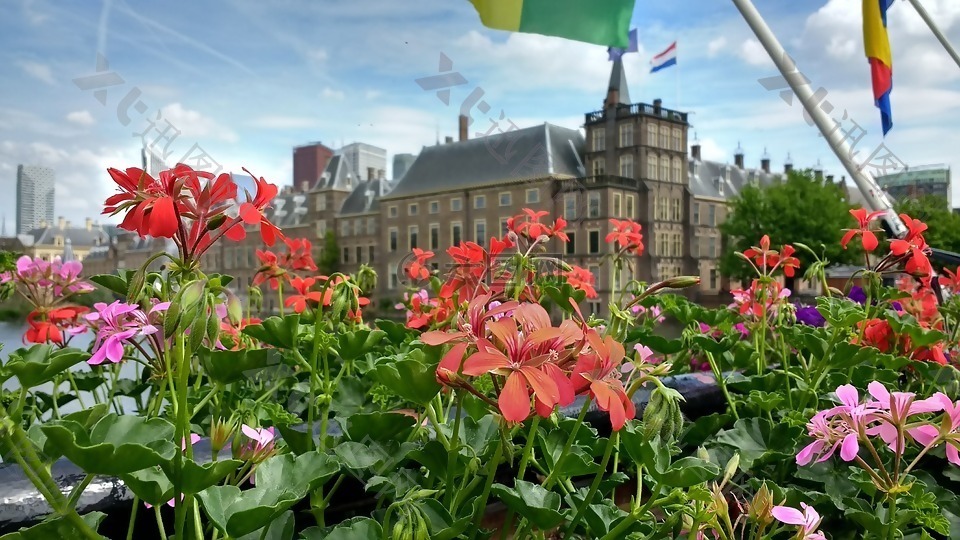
364 161
917 182
35 188
309 162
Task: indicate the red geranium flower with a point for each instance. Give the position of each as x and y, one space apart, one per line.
626 234
763 256
581 279
149 203
299 301
417 270
599 371
251 213
788 262
867 238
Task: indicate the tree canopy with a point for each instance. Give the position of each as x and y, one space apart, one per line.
943 226
801 209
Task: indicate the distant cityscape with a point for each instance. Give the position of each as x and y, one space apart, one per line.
631 161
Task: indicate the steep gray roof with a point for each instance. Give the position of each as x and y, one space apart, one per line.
536 152
365 198
288 210
724 180
334 176
618 82
78 236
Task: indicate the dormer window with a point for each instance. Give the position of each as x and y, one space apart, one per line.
720 186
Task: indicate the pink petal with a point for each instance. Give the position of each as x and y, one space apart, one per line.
952 455
848 395
790 516
850 447
805 455
880 393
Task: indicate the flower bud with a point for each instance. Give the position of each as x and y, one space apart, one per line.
366 279
220 433
190 295
761 507
703 454
731 469
234 308
681 282
662 415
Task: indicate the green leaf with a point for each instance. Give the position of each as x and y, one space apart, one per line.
41 363
539 506
358 528
111 282
290 427
353 345
395 332
116 445
689 471
410 377
281 333
378 426
56 527
226 367
601 518
351 397
281 528
441 524
150 484
198 477
759 441
282 481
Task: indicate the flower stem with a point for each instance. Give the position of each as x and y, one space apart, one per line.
722 383
482 505
552 477
524 461
611 443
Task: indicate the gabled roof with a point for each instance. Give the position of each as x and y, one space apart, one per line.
337 175
537 152
365 198
723 180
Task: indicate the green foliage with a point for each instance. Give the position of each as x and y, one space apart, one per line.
943 225
801 209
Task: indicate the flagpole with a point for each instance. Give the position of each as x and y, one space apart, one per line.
876 199
936 31
677 76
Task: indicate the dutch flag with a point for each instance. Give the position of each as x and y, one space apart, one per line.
665 59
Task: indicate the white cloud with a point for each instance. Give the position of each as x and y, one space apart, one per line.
38 71
81 118
330 93
716 45
753 53
317 55
194 124
283 122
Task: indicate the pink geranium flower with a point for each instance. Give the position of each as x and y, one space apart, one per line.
807 519
118 323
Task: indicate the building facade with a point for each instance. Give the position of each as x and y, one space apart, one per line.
35 190
60 239
917 182
364 161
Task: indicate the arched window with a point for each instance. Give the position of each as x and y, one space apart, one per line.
665 169
651 167
626 165
677 170
652 134
664 137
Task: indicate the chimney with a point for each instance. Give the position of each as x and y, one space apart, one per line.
738 157
829 178
305 186
695 148
765 161
88 223
464 122
818 171
657 103
788 165
448 140
61 223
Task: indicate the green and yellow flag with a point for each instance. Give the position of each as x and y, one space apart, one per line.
604 22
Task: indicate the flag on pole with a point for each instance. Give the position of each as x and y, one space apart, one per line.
603 22
617 53
665 59
876 44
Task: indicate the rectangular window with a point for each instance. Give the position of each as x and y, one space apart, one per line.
713 278
346 255
434 236
664 136
371 226
696 213
626 165
617 205
503 226
394 279
593 209
572 244
371 254
394 235
533 196
695 247
664 169
570 206
599 139
651 134
413 209
321 228
434 207
626 135
676 170
480 231
506 199
599 167
358 227
677 140
456 204
712 216
394 211
677 245
456 233
595 270
631 207
652 167
712 244
321 202
359 254
344 228
413 231
677 213
594 242
480 201
661 244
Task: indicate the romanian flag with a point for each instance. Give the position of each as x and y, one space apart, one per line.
604 22
876 44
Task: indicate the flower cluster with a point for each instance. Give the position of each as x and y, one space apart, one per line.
767 260
527 225
194 208
626 234
763 297
516 343
278 268
118 324
339 292
49 286
911 252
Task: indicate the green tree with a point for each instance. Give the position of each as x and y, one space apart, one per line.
330 260
943 226
801 209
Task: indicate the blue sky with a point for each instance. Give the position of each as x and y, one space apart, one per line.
246 80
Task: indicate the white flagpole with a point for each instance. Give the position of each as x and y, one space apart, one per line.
876 199
677 76
936 31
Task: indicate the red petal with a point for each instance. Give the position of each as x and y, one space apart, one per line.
514 400
163 218
869 240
